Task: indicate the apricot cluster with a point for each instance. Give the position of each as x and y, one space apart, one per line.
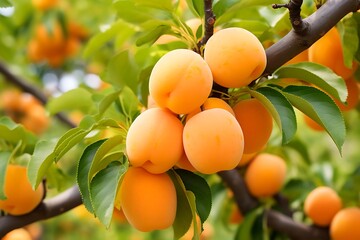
189 129
56 44
24 109
325 208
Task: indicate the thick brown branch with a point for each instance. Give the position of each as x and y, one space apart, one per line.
27 87
47 209
319 23
236 183
294 230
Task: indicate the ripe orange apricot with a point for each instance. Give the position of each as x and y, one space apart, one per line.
312 124
345 224
246 158
181 81
210 103
154 140
147 200
235 56
18 234
321 205
265 175
353 95
184 163
213 141
235 215
119 216
44 4
21 198
328 51
25 109
256 123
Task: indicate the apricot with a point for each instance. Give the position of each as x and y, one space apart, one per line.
21 198
321 205
44 4
210 103
312 124
18 234
265 175
181 81
353 95
184 163
235 56
119 216
154 140
246 158
328 52
345 224
147 200
256 123
213 141
236 216
25 109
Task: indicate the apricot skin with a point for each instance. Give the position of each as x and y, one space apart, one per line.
328 52
256 123
265 175
321 205
21 198
213 141
235 56
154 140
147 200
345 224
180 81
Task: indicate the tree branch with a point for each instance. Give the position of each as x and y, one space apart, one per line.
49 208
294 7
26 87
318 23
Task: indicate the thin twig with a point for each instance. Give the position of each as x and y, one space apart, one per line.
294 7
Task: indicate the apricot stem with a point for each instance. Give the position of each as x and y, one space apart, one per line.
210 19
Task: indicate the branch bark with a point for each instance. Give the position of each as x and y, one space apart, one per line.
292 44
63 202
318 24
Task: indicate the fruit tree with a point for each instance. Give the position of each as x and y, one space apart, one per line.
180 119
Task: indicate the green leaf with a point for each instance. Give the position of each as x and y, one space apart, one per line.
197 185
196 7
99 40
103 189
101 159
348 29
40 161
129 104
106 102
5 4
150 37
4 160
321 108
76 99
301 148
160 4
192 200
316 74
82 173
13 133
183 210
132 12
122 71
280 109
254 26
244 230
